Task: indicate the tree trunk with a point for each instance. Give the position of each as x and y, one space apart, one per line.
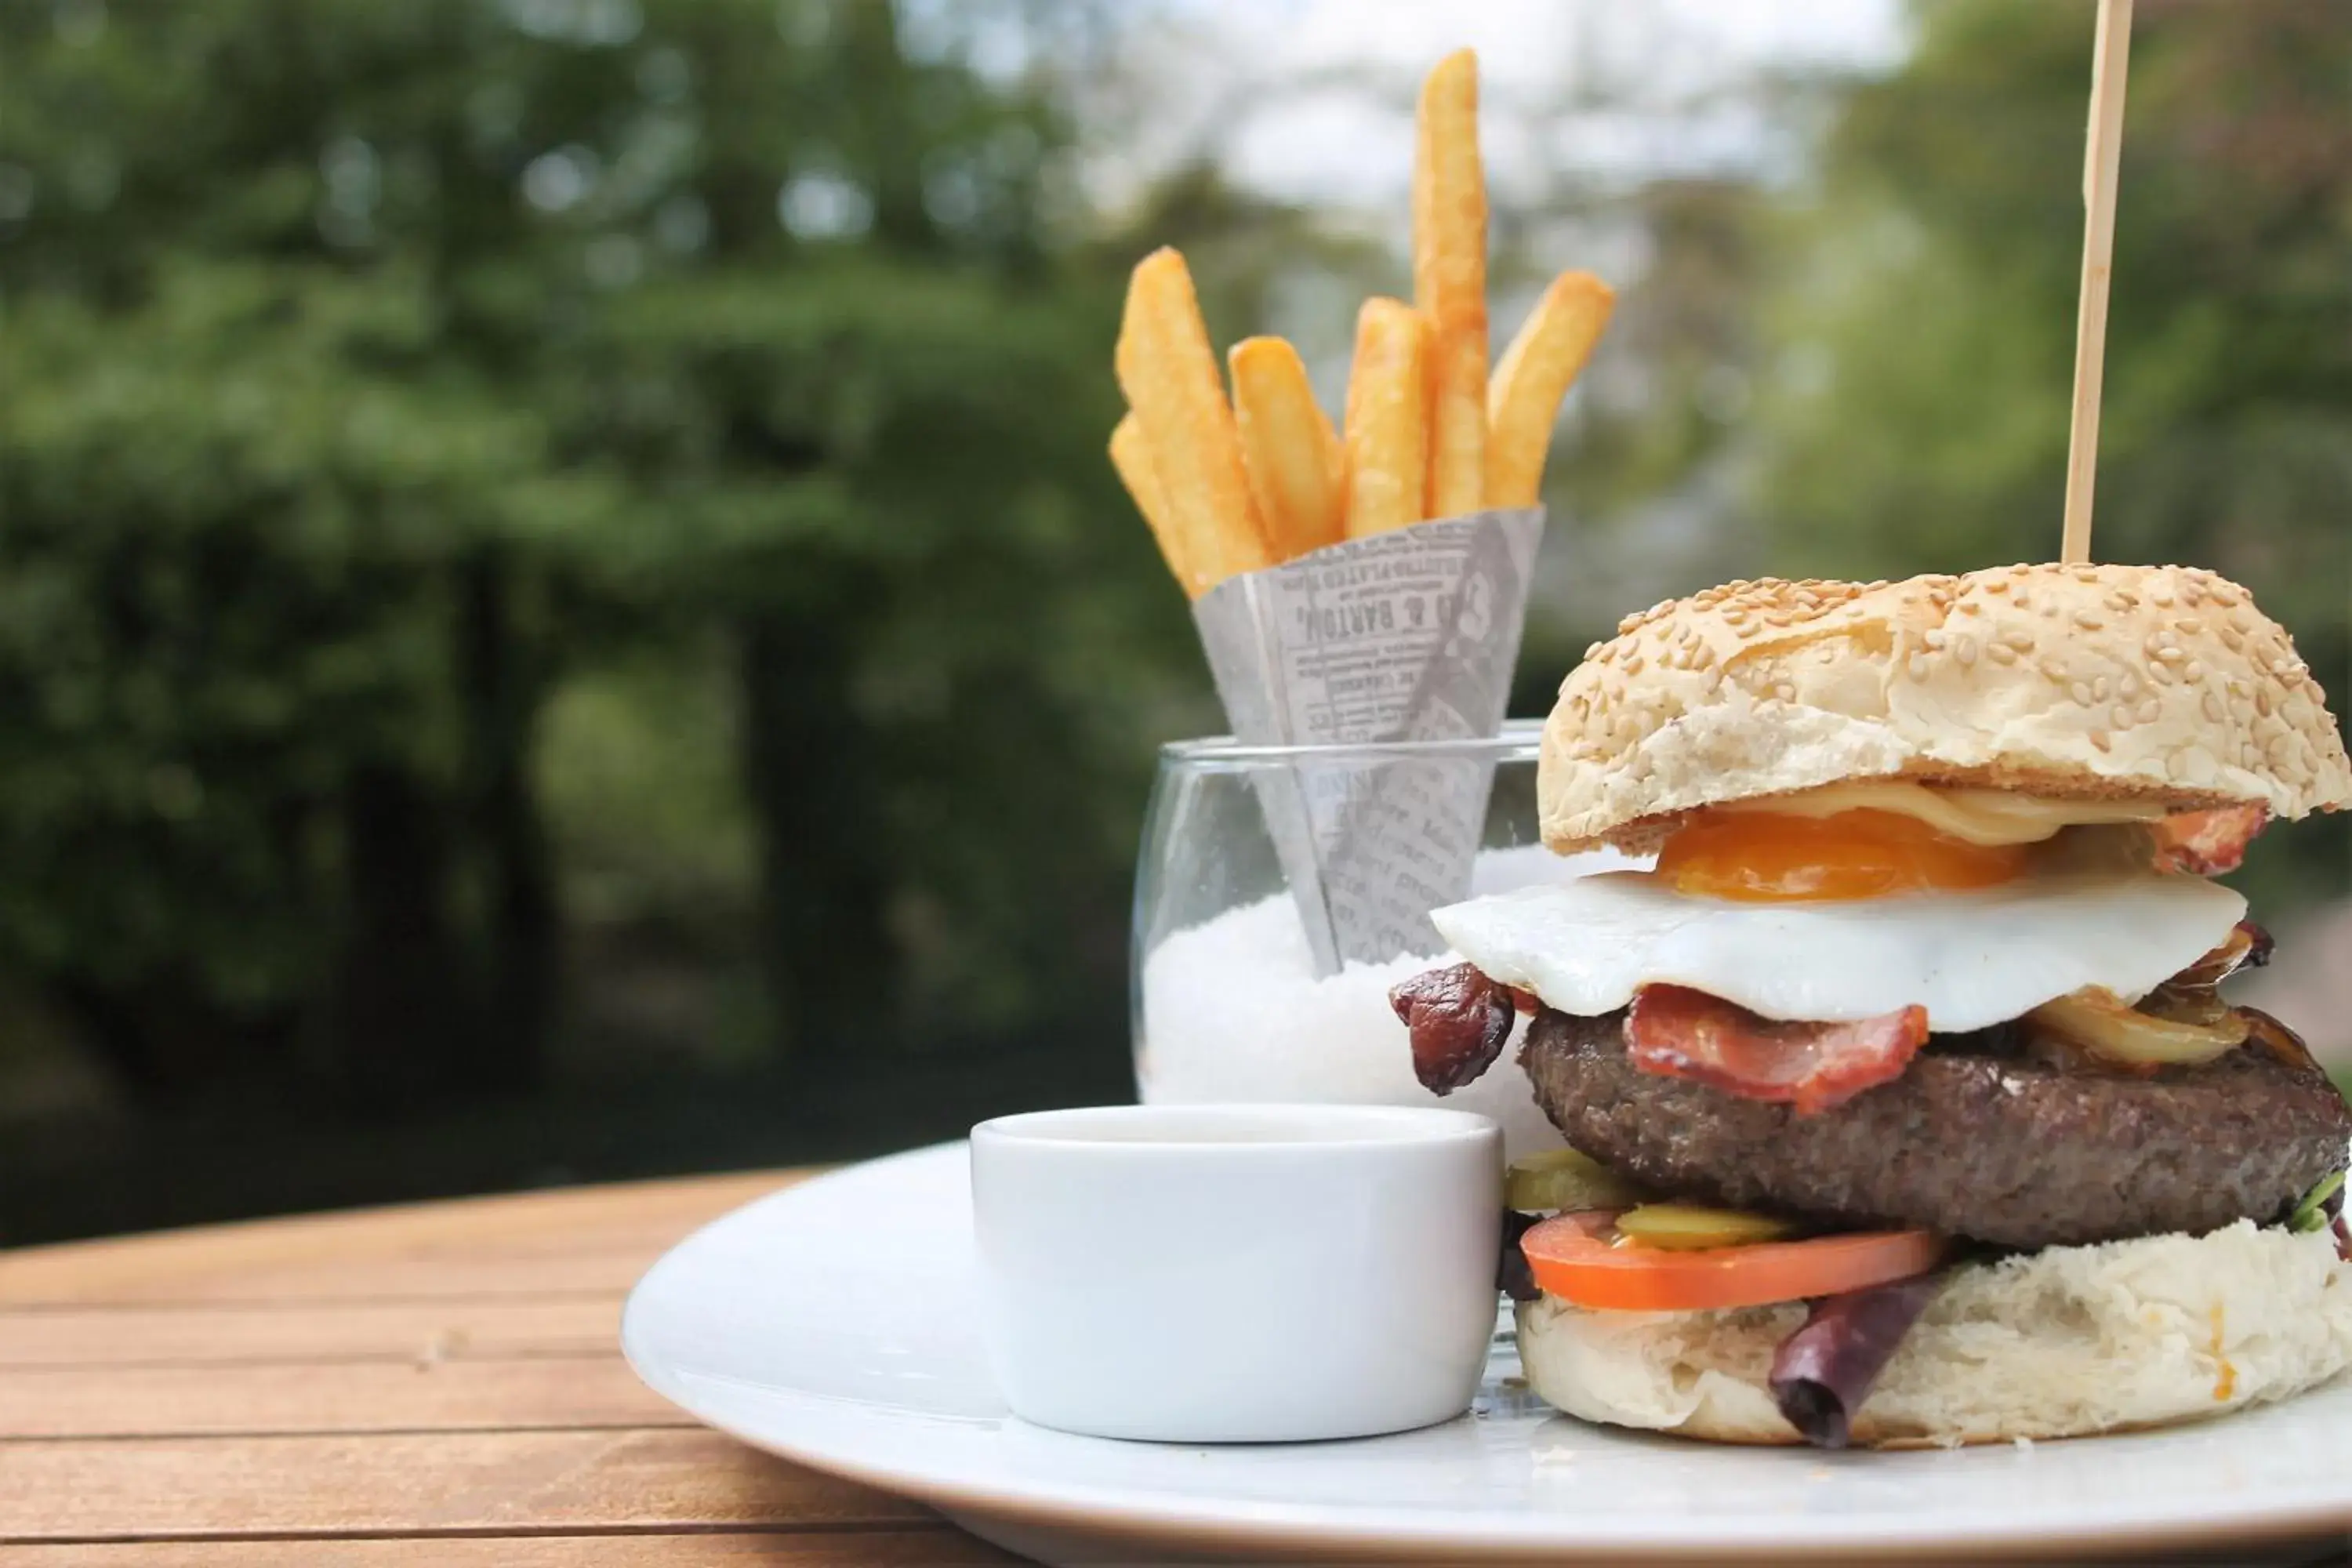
405 1021
824 849
503 691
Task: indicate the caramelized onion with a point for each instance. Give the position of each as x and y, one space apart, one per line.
2283 1042
2106 1025
2248 946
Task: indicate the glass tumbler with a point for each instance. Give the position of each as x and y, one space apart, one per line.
1228 1005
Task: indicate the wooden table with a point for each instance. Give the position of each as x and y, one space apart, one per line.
439 1384
435 1385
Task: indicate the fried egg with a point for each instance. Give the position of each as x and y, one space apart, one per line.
1973 959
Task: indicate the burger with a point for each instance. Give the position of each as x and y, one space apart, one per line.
1901 1100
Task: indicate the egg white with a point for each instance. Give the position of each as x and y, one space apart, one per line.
1973 959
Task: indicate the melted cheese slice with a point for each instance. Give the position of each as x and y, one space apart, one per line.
1991 816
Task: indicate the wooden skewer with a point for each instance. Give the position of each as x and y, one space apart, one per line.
2104 143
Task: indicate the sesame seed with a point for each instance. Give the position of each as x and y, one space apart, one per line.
2099 688
1996 585
2190 625
2000 653
1785 691
2214 712
1631 664
2081 691
1965 651
2150 711
1592 651
2099 739
2192 670
2121 717
2169 655
2087 621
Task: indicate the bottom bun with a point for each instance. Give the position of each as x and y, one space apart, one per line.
2058 1343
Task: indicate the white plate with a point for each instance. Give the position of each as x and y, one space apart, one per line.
833 1324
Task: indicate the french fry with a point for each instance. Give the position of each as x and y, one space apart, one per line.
1170 375
1542 362
1388 426
1131 454
1298 468
1449 281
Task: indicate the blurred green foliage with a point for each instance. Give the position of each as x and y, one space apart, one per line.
720 377
1915 415
503 499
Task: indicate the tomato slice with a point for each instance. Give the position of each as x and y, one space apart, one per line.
1578 1258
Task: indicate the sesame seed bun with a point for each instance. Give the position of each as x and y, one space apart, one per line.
2159 683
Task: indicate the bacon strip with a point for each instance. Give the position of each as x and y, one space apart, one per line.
1676 1032
2207 843
1458 1020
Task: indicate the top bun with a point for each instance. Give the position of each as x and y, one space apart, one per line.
2161 683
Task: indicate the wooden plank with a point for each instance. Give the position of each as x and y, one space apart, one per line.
369 1396
318 1255
606 1265
418 1484
416 1331
939 1547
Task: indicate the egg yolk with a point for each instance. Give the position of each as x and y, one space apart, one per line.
1862 854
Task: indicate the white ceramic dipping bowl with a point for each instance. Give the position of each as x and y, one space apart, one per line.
1237 1273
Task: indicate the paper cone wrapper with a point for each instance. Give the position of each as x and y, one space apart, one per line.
1406 636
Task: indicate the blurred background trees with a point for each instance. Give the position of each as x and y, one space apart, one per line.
465 463
1921 333
561 611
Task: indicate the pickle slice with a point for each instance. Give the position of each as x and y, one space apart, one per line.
1687 1227
1565 1180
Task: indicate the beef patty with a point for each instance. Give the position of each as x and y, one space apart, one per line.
1973 1139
